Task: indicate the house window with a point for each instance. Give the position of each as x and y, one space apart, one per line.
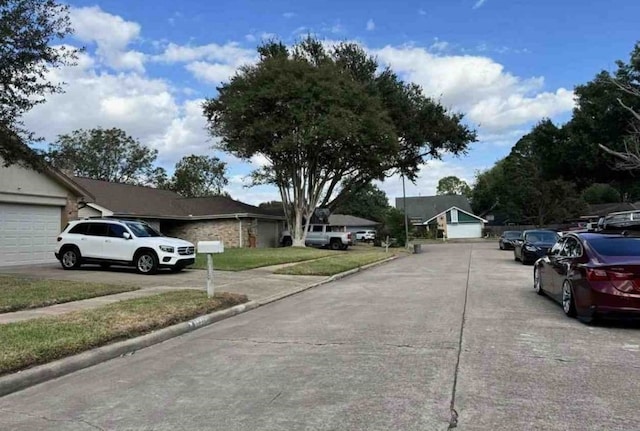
454 215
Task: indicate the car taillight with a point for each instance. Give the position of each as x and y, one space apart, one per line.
349 235
622 279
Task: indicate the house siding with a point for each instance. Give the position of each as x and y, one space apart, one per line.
462 218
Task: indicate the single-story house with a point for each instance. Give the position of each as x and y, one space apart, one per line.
194 219
350 223
451 214
35 206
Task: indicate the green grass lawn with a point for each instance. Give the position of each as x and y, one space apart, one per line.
336 264
22 293
238 259
38 341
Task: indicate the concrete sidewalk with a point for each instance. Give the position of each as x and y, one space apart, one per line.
259 285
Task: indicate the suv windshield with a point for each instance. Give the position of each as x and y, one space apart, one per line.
142 230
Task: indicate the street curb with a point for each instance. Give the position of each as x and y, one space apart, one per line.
42 373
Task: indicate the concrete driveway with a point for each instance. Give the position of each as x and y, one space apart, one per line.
453 336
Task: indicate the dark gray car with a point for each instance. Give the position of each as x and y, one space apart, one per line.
507 239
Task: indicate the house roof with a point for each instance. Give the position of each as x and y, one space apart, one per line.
349 220
601 210
459 209
131 200
427 207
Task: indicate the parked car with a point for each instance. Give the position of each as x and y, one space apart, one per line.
592 274
121 242
533 244
366 235
322 235
506 241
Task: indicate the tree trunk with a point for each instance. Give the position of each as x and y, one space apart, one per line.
297 235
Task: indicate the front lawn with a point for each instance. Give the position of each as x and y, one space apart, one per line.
239 259
22 293
336 264
39 341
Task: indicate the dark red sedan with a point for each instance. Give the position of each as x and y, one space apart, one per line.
592 274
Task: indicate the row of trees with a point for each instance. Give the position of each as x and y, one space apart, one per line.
113 155
554 171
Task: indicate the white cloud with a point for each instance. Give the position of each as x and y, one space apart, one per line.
478 86
439 45
371 25
422 12
479 4
231 52
288 15
111 34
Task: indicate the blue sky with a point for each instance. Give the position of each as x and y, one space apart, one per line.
505 63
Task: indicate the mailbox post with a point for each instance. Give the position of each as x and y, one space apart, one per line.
209 248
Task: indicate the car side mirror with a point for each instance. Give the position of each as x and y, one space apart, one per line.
126 235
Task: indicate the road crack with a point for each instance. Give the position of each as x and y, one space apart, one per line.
52 420
453 421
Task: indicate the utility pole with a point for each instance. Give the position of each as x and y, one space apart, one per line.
406 219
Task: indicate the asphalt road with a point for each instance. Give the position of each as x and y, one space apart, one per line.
393 348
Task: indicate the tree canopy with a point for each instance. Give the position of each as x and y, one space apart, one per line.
199 176
104 154
328 121
453 185
368 202
28 31
554 170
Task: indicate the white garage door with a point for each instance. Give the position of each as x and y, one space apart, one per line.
464 230
28 233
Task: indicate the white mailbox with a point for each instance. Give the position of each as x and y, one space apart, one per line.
210 247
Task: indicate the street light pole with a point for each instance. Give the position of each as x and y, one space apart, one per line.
406 219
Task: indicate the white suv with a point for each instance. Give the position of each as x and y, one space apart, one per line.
366 235
121 242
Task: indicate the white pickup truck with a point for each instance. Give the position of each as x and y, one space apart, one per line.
322 235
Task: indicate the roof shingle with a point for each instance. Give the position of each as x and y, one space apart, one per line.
127 199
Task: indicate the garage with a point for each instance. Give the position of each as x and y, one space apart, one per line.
34 207
28 233
464 230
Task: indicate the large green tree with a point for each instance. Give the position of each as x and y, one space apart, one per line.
453 185
104 154
199 176
30 32
368 202
328 122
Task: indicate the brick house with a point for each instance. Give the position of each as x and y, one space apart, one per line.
195 219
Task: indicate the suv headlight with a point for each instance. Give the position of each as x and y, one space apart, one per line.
167 248
531 248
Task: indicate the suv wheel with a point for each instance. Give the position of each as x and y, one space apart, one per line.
146 262
70 258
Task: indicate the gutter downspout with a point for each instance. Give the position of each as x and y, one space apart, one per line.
239 231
